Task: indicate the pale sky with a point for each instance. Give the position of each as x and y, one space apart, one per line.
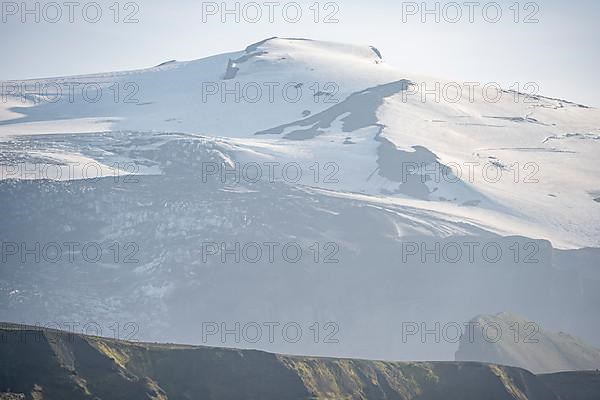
560 52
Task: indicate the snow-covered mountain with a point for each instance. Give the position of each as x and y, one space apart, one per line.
528 162
355 162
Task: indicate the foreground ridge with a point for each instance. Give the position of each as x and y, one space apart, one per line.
51 364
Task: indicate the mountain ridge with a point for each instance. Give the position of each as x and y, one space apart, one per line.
50 364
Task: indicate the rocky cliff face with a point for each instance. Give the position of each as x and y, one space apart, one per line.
508 339
57 365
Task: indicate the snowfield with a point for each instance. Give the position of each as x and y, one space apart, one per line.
523 164
345 149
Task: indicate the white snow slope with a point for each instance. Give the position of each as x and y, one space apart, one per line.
523 164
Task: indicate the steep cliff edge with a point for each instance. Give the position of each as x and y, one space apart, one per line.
47 364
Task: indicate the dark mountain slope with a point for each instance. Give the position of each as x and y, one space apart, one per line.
48 364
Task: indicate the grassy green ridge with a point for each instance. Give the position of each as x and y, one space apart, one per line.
48 364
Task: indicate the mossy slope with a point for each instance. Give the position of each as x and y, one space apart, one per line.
57 365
